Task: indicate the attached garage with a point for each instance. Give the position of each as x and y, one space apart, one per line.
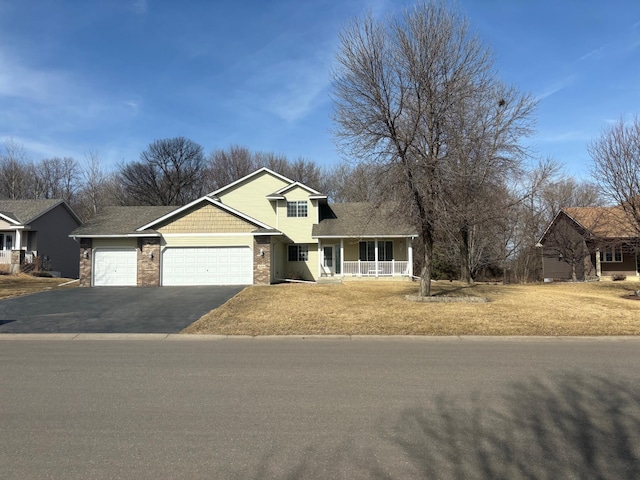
207 266
114 267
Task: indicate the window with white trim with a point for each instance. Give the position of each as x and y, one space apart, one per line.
297 209
368 253
611 255
298 253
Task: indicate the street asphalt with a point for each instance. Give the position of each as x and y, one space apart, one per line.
111 309
319 408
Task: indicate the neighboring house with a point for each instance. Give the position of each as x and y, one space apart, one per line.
261 229
590 242
39 228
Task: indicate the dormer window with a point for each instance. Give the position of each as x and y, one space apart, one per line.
297 209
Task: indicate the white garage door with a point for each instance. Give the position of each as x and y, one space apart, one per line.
114 266
207 266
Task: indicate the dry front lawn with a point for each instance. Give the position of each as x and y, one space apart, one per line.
16 285
380 308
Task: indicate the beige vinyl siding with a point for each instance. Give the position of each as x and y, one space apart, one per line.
351 250
279 257
249 197
298 229
207 241
302 270
207 219
115 243
4 225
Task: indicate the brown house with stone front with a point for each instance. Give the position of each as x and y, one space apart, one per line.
590 243
260 229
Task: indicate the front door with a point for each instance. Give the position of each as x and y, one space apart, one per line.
328 262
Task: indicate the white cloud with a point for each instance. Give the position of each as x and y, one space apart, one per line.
556 87
569 136
140 6
595 53
298 87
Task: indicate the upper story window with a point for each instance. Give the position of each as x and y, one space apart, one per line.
297 209
611 254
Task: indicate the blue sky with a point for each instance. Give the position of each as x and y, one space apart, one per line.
112 76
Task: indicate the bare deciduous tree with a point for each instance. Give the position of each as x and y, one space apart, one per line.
228 165
616 166
169 172
55 178
402 88
15 171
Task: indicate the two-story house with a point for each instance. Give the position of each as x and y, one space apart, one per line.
261 229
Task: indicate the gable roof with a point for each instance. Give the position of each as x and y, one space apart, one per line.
601 222
247 177
361 219
207 199
120 221
22 212
300 185
605 222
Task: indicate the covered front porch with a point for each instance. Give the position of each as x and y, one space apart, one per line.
14 249
365 257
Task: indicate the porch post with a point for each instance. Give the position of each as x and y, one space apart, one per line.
320 258
342 257
375 250
18 244
410 257
598 266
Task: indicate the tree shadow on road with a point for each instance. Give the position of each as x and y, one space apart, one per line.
573 426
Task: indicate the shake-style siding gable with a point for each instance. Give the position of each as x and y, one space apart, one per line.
206 219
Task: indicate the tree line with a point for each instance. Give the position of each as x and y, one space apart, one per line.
175 171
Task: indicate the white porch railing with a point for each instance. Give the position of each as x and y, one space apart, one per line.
375 269
5 256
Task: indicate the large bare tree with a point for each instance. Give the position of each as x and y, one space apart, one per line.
402 88
169 172
616 166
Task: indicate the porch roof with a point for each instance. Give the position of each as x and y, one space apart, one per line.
360 219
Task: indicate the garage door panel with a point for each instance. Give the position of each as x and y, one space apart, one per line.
115 267
207 266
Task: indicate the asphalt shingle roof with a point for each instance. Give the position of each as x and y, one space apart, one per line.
604 222
121 220
23 211
361 219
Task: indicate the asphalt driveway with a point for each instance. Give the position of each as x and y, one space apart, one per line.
111 309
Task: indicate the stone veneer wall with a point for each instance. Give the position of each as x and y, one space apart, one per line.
17 260
86 245
261 263
148 267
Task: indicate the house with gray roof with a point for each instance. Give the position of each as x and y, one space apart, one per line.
31 229
261 229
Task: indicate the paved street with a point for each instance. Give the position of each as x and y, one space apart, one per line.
111 309
319 408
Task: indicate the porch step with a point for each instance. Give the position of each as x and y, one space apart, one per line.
329 280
